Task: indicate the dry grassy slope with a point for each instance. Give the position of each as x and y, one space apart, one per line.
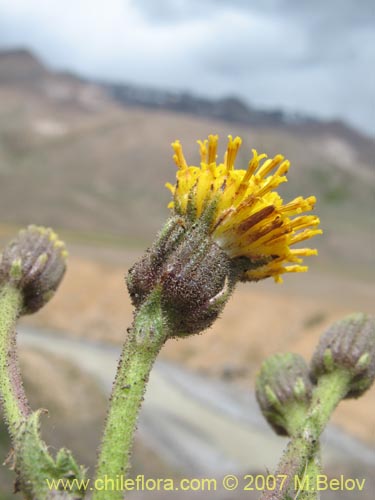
72 159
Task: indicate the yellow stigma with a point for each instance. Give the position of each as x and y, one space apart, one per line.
247 215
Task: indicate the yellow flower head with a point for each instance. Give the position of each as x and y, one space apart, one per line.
247 217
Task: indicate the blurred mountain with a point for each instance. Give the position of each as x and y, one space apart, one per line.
92 158
230 109
20 65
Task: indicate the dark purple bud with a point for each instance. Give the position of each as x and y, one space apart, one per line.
34 263
193 274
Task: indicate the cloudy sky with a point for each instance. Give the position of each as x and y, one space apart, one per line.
302 55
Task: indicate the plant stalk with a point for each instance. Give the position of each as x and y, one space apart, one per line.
143 344
309 477
15 406
331 389
296 419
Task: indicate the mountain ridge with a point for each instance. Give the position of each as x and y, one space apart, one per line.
27 67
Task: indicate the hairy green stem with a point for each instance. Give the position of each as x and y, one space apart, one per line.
14 402
307 481
32 462
296 419
143 344
331 388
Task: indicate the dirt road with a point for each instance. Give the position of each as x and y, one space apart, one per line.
197 424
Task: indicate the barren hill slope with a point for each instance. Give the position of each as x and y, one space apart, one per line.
72 157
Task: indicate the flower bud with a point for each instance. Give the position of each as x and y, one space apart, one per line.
348 345
144 275
193 274
196 282
35 264
282 387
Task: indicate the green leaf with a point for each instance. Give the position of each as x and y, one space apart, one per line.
36 469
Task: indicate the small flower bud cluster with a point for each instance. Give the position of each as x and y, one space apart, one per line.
285 383
192 273
35 264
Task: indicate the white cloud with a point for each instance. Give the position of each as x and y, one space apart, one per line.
280 53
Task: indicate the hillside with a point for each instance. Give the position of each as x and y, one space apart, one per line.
72 157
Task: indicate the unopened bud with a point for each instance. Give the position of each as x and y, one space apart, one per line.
348 345
35 264
193 274
145 274
282 387
195 284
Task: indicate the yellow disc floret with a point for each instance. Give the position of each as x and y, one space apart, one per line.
247 216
